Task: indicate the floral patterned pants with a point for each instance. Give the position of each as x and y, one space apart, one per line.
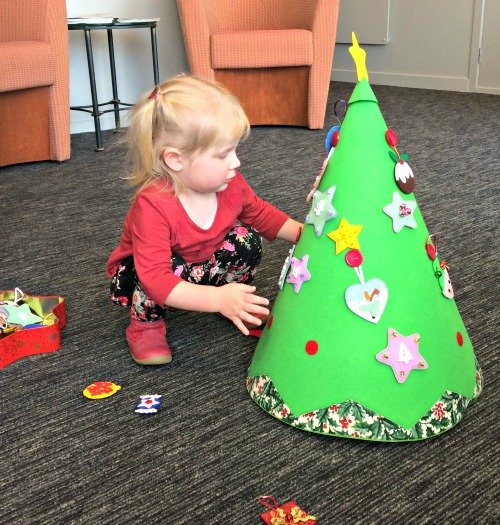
235 261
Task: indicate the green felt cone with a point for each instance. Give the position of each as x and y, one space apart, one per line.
315 366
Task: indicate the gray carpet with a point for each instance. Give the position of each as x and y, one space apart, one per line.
210 451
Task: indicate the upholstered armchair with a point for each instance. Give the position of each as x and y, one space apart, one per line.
34 81
274 55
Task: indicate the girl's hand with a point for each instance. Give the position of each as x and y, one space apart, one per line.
239 304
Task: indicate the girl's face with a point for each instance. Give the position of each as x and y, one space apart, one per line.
211 170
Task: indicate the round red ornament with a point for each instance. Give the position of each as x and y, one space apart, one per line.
354 258
335 138
312 347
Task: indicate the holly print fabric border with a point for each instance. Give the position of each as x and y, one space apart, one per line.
352 420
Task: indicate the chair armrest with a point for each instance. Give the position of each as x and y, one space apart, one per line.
324 33
57 35
196 31
23 20
324 28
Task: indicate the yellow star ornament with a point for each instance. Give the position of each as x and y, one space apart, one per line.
345 236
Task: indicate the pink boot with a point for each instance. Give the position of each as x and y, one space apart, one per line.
148 342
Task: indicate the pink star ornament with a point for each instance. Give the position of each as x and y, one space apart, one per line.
298 272
402 354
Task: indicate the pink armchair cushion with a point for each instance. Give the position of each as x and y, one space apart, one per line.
251 49
207 27
25 65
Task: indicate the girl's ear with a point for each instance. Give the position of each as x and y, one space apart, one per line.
173 159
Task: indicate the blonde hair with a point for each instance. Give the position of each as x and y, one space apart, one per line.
186 113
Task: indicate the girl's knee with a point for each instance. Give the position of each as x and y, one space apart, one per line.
245 241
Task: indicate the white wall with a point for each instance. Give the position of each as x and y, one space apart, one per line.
132 52
430 46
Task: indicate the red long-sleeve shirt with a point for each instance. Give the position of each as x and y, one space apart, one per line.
157 225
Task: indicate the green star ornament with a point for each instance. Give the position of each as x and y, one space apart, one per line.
21 314
322 209
401 212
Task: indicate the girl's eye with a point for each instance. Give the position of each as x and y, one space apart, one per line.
224 154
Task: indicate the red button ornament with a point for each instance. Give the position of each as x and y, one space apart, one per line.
460 339
354 258
335 138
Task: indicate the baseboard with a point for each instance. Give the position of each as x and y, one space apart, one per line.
406 80
488 90
85 124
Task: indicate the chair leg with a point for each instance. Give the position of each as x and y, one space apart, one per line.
274 96
24 126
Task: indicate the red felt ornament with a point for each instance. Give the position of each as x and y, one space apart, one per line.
288 513
312 347
431 247
392 138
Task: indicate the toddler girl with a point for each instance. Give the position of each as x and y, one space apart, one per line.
191 238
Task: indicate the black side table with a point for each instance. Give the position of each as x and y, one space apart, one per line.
95 108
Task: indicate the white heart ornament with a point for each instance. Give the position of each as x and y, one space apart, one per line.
367 300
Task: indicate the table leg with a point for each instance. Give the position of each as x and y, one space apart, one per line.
116 101
93 91
154 49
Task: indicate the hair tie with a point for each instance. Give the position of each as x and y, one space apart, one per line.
154 94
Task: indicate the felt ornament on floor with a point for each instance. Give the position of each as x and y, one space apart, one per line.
101 390
148 404
288 513
326 363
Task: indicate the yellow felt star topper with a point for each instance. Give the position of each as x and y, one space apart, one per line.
359 56
345 236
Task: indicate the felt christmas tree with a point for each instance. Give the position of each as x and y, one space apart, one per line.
365 339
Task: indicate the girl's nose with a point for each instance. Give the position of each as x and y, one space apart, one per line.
235 163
